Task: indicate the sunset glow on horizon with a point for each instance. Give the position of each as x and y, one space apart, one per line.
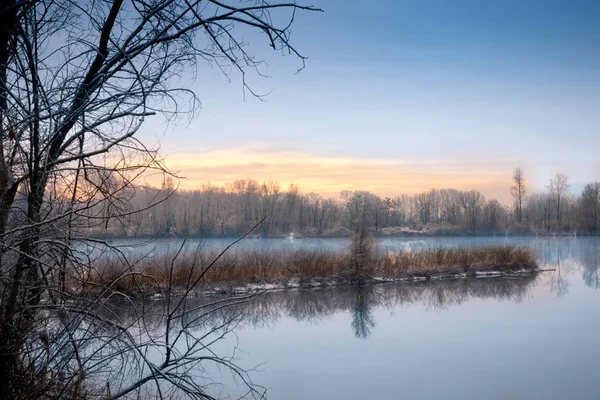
329 176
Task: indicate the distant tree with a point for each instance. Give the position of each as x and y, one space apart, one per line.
558 188
472 203
269 195
389 206
518 191
360 207
493 215
450 205
426 206
590 204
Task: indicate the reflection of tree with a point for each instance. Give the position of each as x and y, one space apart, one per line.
314 305
309 306
591 261
591 277
559 284
569 257
199 322
362 318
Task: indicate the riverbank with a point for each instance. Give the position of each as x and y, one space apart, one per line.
260 269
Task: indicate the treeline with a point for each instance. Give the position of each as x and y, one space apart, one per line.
238 206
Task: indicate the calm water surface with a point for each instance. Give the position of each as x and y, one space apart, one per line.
493 338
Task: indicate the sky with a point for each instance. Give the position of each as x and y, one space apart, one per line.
403 96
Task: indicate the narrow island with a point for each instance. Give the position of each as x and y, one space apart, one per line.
242 271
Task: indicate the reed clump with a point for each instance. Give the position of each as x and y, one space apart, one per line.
458 260
265 266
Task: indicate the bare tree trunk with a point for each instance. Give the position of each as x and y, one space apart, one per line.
116 66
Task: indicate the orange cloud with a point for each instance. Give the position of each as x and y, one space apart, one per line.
330 175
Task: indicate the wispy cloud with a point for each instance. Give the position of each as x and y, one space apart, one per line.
330 175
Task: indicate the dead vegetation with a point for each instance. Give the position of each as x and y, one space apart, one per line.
267 266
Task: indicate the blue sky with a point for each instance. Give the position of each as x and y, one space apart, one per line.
408 95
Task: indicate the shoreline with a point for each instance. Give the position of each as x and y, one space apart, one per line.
249 288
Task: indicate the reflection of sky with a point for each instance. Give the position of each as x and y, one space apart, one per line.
458 87
482 349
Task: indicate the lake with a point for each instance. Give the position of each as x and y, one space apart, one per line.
492 338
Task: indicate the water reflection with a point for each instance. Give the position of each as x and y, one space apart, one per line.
565 257
569 257
591 261
591 277
313 306
362 314
559 284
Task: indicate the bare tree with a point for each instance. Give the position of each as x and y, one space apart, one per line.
77 80
231 209
360 207
425 203
590 203
472 203
518 191
558 188
493 213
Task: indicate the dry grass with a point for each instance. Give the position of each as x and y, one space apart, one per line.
272 266
455 261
